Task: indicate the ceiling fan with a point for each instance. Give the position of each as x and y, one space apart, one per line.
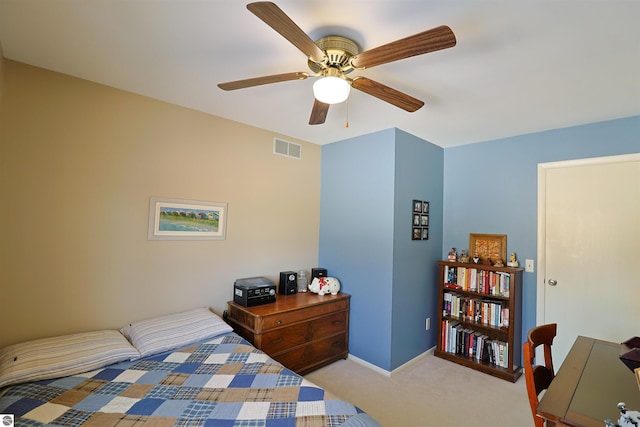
332 58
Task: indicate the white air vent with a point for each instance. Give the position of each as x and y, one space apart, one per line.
286 148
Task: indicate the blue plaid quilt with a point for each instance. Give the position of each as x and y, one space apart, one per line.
222 382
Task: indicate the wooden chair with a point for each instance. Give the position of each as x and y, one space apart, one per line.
538 377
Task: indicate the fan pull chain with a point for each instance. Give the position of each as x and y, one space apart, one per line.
347 122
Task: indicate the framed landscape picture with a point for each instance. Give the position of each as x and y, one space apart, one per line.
176 219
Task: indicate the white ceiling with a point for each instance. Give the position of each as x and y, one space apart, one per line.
518 66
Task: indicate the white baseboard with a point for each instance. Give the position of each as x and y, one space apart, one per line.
384 371
369 365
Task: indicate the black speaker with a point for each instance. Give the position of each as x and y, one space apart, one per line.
318 272
288 283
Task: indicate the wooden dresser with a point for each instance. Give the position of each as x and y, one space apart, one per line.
303 331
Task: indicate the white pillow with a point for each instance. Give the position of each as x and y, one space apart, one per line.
171 331
61 356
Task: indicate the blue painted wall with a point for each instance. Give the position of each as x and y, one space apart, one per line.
419 170
491 187
367 186
356 236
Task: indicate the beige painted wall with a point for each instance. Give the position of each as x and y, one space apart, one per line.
79 162
1 71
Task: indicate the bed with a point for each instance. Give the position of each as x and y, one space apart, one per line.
166 371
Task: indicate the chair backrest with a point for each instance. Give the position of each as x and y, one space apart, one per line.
538 377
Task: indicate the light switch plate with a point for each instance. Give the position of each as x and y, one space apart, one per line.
528 266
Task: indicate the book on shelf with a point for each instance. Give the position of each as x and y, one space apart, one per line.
466 342
505 283
481 354
450 275
473 280
504 317
475 310
476 280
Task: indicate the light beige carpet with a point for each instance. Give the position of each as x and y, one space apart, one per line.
428 392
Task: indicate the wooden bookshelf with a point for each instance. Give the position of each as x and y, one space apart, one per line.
480 317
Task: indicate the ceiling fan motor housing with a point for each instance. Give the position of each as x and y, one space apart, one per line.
338 50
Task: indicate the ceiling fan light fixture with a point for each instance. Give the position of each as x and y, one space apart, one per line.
331 90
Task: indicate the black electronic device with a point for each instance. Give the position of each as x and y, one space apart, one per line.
288 283
254 291
318 272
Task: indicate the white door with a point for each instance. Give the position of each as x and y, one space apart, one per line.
589 250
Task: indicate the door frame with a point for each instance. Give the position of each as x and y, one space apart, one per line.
542 176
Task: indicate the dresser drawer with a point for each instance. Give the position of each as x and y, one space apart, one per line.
287 318
281 339
308 357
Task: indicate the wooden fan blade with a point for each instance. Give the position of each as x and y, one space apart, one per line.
318 113
274 17
257 81
427 41
385 93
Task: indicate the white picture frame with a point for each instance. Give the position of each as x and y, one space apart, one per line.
178 219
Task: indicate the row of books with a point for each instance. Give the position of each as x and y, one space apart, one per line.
466 342
481 281
478 310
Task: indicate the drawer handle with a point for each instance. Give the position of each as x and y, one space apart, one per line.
276 341
337 344
338 322
278 322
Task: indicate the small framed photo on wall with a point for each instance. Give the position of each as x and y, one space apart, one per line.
417 206
417 233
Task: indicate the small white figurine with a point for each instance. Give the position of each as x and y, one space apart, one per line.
513 262
325 285
627 418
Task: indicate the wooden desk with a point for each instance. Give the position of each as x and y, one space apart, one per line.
590 383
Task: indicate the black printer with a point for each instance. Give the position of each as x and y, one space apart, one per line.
254 291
